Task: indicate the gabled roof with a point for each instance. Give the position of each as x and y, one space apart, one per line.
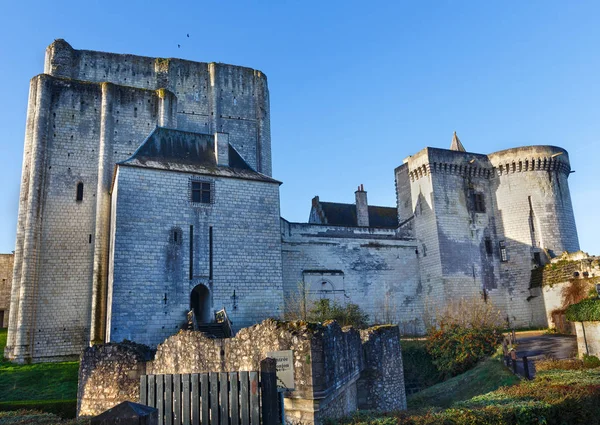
345 215
176 150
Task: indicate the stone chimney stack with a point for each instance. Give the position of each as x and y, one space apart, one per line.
222 149
362 208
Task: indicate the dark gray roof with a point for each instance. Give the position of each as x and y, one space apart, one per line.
345 215
176 150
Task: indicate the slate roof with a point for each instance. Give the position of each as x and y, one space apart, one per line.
176 150
345 215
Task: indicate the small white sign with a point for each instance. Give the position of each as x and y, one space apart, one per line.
285 369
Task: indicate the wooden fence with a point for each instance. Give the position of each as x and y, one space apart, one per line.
215 398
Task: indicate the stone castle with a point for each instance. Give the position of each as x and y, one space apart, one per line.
147 192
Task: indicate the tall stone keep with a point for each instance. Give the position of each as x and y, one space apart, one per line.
88 111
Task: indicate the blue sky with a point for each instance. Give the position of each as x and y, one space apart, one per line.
355 86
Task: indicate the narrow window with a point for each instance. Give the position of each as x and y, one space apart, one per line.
488 246
478 203
503 254
210 252
201 192
191 252
79 197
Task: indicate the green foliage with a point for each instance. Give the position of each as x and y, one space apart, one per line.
419 370
584 311
62 408
46 387
456 349
488 375
348 315
554 397
590 362
39 381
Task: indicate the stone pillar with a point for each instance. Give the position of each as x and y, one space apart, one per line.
102 229
362 207
381 386
213 99
222 149
167 109
26 283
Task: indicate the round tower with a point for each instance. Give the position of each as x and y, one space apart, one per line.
533 202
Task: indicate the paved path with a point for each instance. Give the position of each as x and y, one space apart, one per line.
538 347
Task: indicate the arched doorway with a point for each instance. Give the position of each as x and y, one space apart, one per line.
200 303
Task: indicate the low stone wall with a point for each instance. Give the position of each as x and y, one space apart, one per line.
110 374
328 362
588 338
381 386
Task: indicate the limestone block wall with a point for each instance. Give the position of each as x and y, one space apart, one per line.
534 214
588 338
414 186
150 284
327 363
211 97
370 267
76 131
6 275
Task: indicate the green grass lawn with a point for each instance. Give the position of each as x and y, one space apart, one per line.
36 382
487 376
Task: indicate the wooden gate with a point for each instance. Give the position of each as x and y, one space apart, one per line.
215 398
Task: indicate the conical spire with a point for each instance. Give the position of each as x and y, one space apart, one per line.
456 145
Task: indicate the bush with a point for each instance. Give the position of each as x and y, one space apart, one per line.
62 408
419 370
455 349
553 398
584 311
348 315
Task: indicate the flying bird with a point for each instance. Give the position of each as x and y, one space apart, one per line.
188 36
179 46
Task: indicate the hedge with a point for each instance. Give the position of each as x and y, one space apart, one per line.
63 408
584 311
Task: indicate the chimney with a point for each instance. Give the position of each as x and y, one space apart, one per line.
222 149
362 208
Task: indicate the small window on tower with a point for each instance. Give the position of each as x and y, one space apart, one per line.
79 196
503 254
478 203
488 246
201 192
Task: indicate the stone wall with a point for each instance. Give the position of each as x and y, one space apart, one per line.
588 338
524 196
554 279
6 276
374 268
328 362
87 112
381 386
148 304
110 374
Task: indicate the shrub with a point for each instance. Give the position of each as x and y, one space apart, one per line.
348 315
419 370
62 408
553 398
471 312
590 362
456 349
584 311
